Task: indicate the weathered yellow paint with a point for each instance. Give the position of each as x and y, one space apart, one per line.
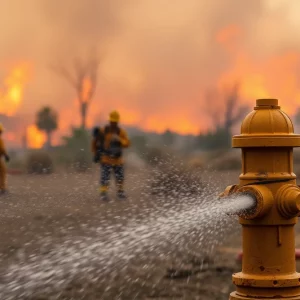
267 140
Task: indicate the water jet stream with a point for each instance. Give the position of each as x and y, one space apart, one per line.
158 235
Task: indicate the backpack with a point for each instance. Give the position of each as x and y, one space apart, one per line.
99 139
115 147
96 132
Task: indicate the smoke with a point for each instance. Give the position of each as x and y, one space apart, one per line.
157 58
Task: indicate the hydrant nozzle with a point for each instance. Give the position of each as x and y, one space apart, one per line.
263 201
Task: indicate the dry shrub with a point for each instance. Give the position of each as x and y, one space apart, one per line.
39 163
81 163
170 175
196 163
227 161
170 178
155 155
16 162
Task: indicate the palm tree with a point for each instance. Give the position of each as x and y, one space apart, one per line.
47 120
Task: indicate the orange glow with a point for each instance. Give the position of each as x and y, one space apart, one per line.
68 117
227 37
274 76
155 61
35 138
177 122
10 136
130 117
177 102
13 88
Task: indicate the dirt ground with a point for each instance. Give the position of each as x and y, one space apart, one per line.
41 213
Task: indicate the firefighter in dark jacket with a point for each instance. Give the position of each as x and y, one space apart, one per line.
108 145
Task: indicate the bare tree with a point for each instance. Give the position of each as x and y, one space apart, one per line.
225 111
212 107
234 110
82 76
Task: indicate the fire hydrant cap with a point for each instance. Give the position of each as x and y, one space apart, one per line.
266 126
267 102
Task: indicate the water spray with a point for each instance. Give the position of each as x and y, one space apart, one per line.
267 140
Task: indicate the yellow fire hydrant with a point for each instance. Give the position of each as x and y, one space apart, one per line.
268 267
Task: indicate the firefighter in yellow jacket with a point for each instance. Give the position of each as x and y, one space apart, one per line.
108 145
3 154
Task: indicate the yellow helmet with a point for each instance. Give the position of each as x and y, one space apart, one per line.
1 128
114 116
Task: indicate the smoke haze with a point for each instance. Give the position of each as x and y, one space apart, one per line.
157 58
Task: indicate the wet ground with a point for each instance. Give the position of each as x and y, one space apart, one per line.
55 244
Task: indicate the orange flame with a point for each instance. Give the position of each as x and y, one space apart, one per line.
12 93
35 138
274 76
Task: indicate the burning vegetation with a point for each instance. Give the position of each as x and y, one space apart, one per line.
12 89
158 67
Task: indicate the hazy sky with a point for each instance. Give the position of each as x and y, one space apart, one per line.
158 57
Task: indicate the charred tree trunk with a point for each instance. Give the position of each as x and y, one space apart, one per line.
83 111
49 139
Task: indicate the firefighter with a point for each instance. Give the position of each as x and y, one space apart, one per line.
114 140
3 154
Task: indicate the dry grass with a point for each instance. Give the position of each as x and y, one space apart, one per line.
39 163
226 161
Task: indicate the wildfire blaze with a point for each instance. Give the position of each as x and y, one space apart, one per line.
157 60
35 138
275 76
11 92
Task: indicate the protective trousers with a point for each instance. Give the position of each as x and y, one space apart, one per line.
2 176
106 170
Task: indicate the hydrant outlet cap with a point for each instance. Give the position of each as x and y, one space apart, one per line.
267 102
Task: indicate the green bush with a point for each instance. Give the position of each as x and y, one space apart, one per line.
75 152
168 138
39 162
